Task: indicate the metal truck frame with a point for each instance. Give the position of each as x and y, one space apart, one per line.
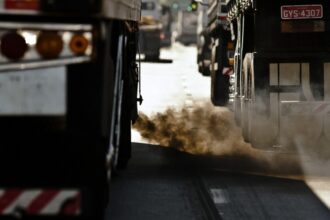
73 62
279 90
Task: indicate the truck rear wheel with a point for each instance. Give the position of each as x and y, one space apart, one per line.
256 123
204 56
249 100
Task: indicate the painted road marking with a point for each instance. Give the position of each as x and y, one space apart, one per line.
218 196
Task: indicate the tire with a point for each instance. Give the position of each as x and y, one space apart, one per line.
258 127
203 68
206 56
124 153
248 101
219 81
199 60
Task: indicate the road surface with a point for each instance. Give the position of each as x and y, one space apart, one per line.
226 178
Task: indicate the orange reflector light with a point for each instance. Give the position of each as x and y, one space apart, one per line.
13 46
49 45
22 4
79 44
230 45
231 61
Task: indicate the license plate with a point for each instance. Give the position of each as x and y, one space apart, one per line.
301 11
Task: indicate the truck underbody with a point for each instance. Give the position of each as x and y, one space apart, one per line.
56 164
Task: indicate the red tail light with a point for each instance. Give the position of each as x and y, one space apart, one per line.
44 44
162 36
22 4
13 46
222 18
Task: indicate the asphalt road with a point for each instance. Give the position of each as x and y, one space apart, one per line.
236 182
163 183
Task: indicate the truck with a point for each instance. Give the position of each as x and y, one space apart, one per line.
166 20
279 84
68 93
151 29
186 27
216 55
203 40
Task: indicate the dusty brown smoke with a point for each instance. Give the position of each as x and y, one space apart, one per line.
199 130
206 130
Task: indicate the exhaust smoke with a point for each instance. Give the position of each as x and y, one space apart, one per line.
202 129
211 131
207 130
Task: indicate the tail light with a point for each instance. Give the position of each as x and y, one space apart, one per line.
231 61
230 53
162 36
22 5
13 46
222 18
33 45
79 44
49 45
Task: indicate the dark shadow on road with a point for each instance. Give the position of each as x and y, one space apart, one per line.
156 60
232 163
159 183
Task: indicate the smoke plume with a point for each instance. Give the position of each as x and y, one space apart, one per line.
199 130
206 130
